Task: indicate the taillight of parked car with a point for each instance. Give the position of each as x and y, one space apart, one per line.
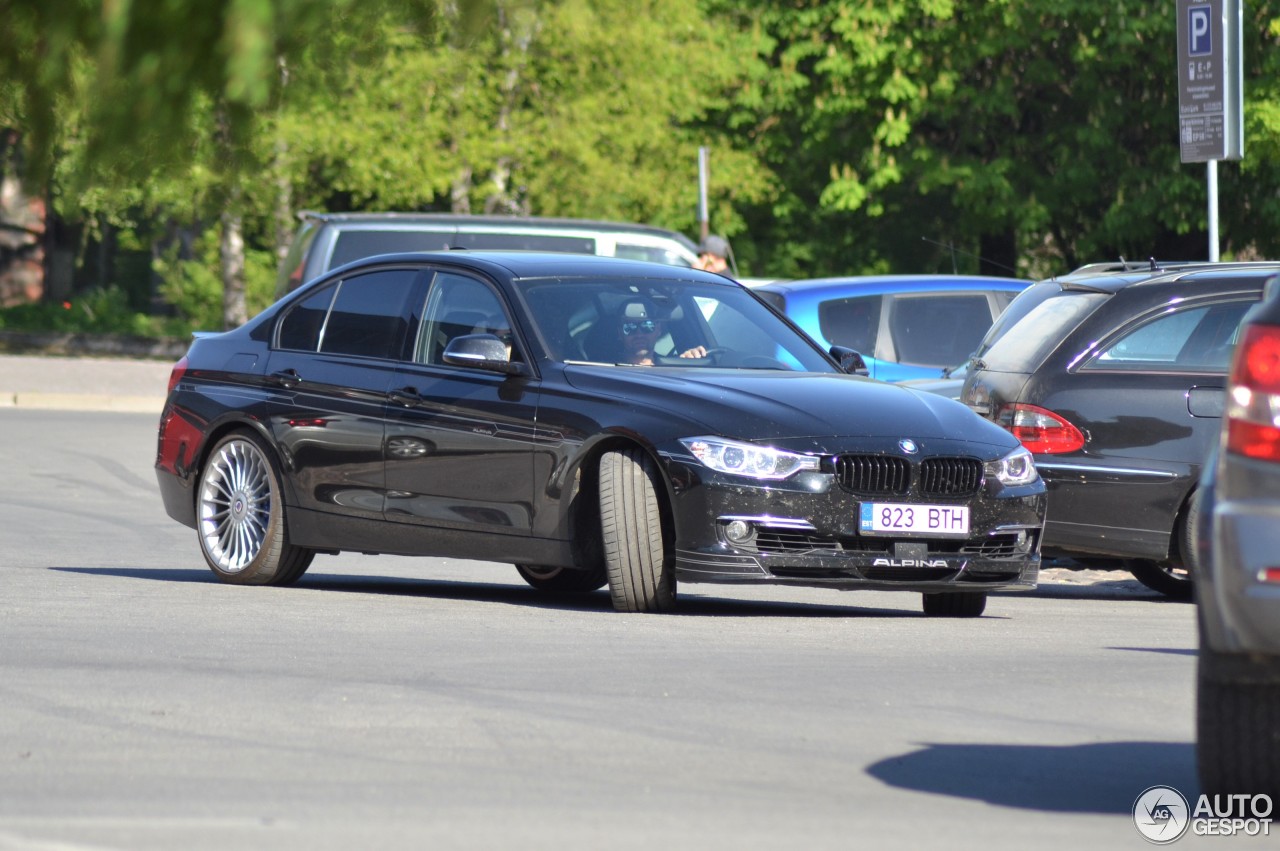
179 369
1253 399
1041 431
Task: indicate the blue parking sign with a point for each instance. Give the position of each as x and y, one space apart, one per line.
1199 30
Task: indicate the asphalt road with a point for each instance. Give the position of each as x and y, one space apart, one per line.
420 703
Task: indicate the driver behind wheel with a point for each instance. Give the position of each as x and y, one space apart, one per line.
639 329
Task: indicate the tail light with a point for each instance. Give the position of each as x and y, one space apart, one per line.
1041 431
179 369
1253 397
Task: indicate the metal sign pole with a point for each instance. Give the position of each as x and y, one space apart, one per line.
1213 211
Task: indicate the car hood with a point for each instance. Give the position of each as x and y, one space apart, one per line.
772 405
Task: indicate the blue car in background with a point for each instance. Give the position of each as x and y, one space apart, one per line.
904 326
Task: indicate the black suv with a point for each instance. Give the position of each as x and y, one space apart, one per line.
326 241
1115 382
1238 576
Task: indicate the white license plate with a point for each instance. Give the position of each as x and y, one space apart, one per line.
894 517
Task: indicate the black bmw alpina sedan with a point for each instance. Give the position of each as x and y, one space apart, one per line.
592 421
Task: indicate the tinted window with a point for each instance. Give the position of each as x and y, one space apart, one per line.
1019 307
300 328
852 322
358 244
458 305
367 318
1027 343
649 253
1199 338
938 330
526 242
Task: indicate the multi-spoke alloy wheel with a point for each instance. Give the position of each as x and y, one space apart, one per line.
240 516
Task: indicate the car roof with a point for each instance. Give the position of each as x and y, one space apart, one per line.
537 264
895 283
497 223
1098 278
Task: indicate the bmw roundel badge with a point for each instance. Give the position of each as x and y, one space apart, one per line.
908 446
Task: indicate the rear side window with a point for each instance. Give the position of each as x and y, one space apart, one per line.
1197 338
300 328
1030 340
938 330
851 322
367 318
361 316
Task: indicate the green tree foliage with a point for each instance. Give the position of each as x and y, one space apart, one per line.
846 136
1038 134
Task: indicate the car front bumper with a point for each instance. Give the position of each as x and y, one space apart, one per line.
806 532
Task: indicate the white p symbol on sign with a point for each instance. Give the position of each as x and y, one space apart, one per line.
1200 36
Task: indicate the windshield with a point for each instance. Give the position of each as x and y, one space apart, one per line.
636 321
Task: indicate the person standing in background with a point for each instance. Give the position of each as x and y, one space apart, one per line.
713 255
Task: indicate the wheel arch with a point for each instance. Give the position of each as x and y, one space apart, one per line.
584 511
224 427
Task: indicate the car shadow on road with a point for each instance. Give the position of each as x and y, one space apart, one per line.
513 594
1100 778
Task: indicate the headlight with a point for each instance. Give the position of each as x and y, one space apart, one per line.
746 459
1016 468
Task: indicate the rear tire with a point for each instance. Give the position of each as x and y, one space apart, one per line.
1237 731
954 604
1173 578
563 580
240 515
641 577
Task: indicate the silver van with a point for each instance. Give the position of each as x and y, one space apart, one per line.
326 241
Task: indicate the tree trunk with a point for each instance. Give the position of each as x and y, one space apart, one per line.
231 254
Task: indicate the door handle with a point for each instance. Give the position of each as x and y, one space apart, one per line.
289 378
406 396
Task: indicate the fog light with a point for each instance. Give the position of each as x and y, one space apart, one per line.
738 531
1021 543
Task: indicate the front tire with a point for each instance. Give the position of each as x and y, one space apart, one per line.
641 577
563 580
954 604
240 516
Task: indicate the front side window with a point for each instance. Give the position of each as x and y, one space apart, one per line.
458 305
1194 338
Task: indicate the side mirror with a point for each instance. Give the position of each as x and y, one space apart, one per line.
849 360
482 351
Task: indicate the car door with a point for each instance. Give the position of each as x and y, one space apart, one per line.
459 439
1148 399
333 358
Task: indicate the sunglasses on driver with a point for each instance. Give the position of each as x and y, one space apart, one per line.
644 326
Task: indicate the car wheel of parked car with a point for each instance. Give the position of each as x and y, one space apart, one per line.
1173 577
563 579
240 516
641 578
1237 726
954 604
